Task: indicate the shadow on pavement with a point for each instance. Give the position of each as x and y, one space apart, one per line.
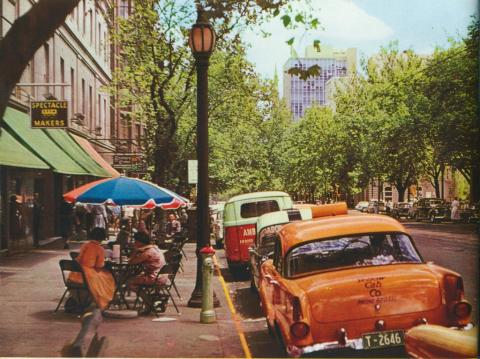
51 316
263 345
237 276
247 303
27 259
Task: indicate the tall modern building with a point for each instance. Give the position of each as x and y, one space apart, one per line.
301 94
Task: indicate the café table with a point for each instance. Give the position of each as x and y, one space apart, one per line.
122 271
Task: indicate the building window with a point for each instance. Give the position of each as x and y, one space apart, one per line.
72 88
105 114
387 193
62 77
46 49
84 16
83 98
17 8
90 105
100 39
91 28
99 111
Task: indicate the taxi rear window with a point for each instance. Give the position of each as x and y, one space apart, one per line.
352 251
255 209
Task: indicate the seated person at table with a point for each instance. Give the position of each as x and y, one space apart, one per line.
152 259
173 226
92 259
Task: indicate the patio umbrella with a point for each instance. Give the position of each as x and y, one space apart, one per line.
125 191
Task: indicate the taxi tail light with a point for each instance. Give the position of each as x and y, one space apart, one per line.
462 310
299 330
296 309
453 288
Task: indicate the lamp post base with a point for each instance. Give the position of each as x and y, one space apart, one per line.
195 300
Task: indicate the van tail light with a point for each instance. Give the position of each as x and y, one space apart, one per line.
296 309
462 310
299 330
453 288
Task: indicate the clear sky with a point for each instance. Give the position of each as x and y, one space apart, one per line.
366 25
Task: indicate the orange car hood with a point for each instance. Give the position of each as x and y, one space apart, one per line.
365 292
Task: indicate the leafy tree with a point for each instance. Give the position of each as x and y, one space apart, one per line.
312 155
27 34
452 88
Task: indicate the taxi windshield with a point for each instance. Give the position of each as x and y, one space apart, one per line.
352 251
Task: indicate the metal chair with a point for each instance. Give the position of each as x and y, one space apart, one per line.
72 266
158 294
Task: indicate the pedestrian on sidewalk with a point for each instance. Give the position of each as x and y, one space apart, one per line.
100 217
455 214
66 222
37 213
173 226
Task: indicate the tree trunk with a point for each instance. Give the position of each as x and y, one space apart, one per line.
27 34
436 185
401 192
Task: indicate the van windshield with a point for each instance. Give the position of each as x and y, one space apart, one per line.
255 209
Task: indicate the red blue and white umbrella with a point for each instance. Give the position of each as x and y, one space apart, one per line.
126 191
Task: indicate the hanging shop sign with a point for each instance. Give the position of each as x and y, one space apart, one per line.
49 114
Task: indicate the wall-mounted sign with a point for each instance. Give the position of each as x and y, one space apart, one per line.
49 114
192 171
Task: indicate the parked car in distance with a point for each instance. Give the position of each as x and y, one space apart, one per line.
469 213
362 206
268 225
216 215
381 208
432 209
400 210
354 281
239 223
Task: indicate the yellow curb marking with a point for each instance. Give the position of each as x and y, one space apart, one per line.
236 320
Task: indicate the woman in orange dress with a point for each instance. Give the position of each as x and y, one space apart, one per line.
92 259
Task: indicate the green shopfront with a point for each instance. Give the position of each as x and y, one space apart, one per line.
36 167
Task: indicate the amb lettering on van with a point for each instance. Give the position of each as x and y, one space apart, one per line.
249 232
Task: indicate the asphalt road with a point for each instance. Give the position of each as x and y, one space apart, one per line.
452 246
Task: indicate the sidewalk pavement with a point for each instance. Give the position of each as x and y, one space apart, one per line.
31 286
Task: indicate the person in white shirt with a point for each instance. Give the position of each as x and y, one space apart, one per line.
455 214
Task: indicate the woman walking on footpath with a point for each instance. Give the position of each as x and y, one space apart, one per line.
455 215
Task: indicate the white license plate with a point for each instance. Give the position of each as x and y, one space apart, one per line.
385 339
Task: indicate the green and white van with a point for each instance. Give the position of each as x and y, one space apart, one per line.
240 219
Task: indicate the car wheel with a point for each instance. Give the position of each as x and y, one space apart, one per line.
279 336
253 287
271 332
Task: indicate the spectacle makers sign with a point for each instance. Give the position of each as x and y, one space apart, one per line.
49 114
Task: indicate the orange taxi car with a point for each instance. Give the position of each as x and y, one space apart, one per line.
354 281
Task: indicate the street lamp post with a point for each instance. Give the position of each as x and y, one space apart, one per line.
202 42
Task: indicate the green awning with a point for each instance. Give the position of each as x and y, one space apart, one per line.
71 147
36 140
13 153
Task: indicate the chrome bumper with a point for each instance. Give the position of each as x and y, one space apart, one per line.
350 343
356 344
